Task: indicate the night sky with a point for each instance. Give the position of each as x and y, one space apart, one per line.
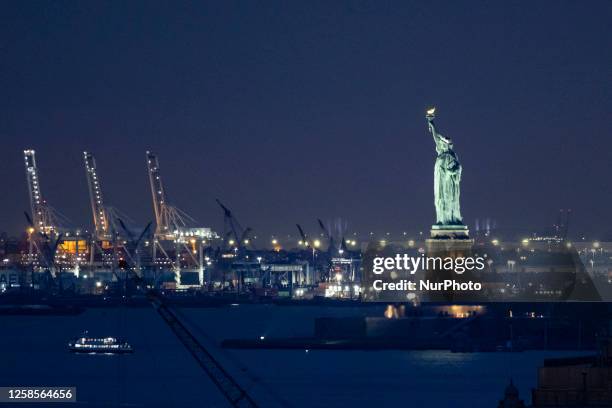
293 111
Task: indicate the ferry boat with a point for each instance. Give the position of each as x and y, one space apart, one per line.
106 345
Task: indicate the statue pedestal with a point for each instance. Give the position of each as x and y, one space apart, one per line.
450 232
449 241
454 239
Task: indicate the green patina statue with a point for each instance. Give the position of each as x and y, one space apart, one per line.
447 176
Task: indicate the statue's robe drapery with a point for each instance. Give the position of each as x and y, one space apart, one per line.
447 176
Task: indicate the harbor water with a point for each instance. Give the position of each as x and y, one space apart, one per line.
161 372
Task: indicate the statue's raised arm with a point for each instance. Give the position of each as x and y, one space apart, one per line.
442 144
431 114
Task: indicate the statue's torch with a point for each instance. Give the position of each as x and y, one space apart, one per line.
430 114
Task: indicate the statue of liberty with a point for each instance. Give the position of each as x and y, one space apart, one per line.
447 176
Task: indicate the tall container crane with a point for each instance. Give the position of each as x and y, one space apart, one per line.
172 224
45 224
109 229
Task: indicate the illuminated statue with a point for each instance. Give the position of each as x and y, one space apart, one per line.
447 176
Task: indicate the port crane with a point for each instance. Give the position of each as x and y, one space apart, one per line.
302 235
237 239
327 232
45 223
172 225
232 230
106 219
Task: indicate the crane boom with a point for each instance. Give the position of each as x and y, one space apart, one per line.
43 219
100 217
229 387
302 234
158 194
231 223
170 220
323 228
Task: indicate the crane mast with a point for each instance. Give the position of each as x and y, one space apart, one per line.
100 216
162 222
42 216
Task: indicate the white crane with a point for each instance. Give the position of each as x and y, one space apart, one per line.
172 224
108 224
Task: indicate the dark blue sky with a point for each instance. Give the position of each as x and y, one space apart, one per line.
292 111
